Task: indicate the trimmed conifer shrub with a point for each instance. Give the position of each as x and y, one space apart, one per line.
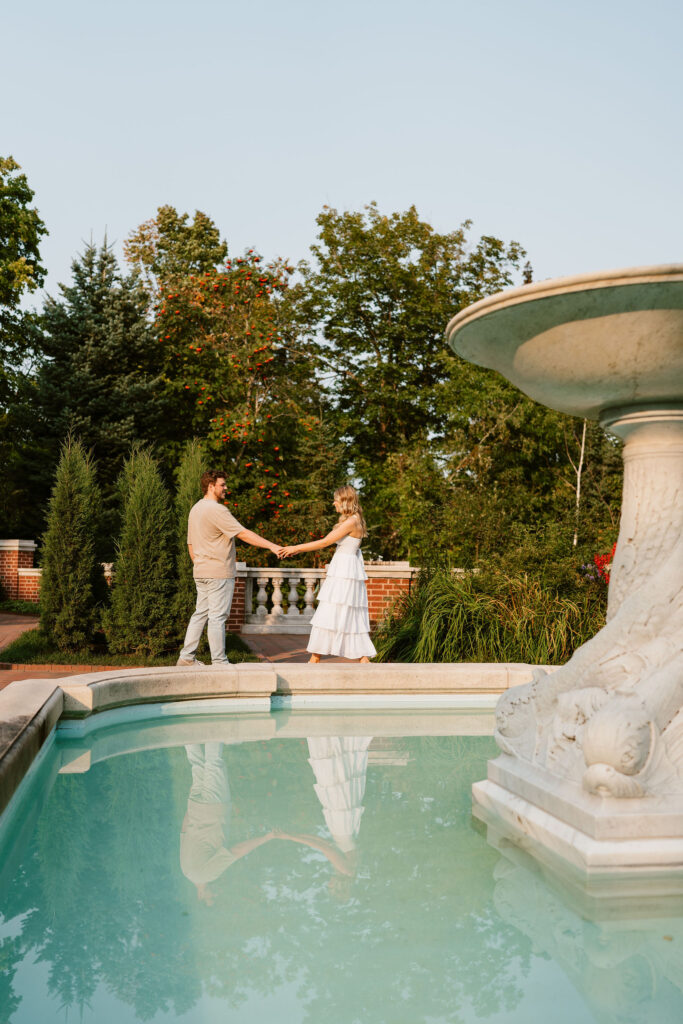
140 620
72 587
188 493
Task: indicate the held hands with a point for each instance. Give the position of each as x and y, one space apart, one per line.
277 549
291 549
284 552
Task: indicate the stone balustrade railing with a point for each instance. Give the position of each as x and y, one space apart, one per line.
279 600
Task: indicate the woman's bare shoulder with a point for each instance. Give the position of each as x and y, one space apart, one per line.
357 528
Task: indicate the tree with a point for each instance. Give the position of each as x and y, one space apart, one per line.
166 249
376 303
140 619
100 375
21 271
239 379
72 583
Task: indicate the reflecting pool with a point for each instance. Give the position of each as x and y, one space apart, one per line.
296 867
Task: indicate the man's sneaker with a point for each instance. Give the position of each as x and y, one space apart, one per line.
186 663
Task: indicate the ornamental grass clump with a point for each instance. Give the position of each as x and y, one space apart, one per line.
488 616
72 588
140 620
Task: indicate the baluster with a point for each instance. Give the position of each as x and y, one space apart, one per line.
277 612
261 598
309 596
293 597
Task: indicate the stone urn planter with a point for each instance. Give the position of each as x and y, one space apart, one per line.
591 762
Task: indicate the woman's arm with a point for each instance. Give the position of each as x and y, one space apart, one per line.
332 537
333 854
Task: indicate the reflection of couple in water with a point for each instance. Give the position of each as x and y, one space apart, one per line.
339 764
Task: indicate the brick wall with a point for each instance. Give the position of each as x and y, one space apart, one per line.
14 555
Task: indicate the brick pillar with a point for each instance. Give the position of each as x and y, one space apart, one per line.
238 606
386 582
14 555
29 585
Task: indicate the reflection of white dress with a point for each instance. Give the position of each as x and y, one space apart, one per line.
340 764
341 624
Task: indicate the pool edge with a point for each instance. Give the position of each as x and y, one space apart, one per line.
31 708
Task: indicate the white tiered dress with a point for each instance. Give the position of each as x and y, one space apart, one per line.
341 624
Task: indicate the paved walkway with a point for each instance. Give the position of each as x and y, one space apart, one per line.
12 626
281 647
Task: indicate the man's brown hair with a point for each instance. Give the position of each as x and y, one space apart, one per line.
209 478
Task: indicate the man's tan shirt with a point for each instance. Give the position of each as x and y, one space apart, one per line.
211 531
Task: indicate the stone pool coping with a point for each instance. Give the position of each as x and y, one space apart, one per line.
31 708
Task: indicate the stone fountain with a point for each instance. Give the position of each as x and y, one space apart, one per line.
591 762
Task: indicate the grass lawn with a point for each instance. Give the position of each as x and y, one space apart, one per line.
35 648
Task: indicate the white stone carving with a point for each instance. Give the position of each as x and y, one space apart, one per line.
610 721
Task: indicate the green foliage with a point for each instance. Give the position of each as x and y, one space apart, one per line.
488 617
188 492
21 272
295 388
376 302
140 619
167 248
21 230
72 583
99 376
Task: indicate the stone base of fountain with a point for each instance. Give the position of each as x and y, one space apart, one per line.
597 837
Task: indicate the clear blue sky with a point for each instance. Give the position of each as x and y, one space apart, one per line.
556 124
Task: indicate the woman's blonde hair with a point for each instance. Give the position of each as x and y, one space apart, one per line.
347 496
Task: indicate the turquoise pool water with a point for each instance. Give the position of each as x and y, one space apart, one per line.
297 867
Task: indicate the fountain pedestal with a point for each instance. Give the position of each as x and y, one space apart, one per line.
591 763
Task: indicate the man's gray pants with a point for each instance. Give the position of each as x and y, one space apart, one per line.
214 598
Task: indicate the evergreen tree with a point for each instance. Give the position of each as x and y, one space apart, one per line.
188 492
140 619
100 375
72 584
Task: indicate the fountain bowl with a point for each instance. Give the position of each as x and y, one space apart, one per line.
583 344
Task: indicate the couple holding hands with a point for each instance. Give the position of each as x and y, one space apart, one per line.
340 626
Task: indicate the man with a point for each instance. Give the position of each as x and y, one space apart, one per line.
211 532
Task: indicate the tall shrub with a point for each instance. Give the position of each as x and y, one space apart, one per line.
140 619
72 583
188 493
